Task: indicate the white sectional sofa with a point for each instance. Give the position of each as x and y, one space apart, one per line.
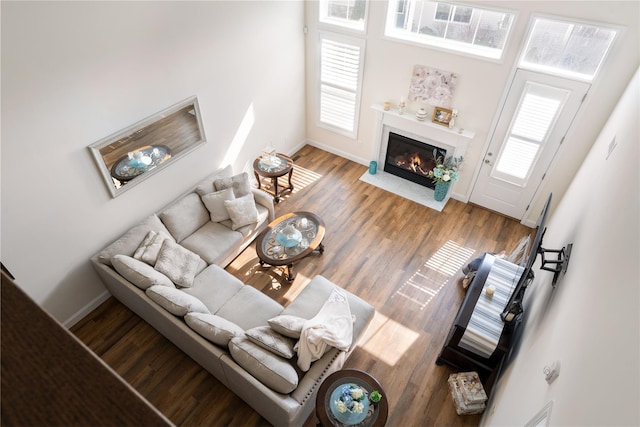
168 269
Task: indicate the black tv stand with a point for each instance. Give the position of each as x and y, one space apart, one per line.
461 358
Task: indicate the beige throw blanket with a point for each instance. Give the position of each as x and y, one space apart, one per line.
332 326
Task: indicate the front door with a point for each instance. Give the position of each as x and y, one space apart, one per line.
536 115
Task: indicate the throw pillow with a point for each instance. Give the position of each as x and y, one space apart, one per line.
175 301
287 325
140 274
177 263
239 183
242 211
128 243
216 329
214 203
270 340
150 247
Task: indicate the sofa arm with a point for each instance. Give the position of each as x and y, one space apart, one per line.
266 200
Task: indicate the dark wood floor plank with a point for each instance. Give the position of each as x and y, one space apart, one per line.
402 257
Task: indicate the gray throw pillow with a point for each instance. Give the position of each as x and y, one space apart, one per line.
287 325
140 274
175 301
242 211
185 216
239 183
216 329
214 203
269 339
150 247
177 263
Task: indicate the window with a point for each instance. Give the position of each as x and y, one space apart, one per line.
570 49
341 59
344 13
460 28
535 117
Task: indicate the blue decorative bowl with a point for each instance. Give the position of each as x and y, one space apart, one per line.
289 242
348 417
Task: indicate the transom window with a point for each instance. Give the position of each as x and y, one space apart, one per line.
344 13
571 49
450 26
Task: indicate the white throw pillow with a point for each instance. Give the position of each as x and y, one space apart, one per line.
178 263
287 325
239 183
175 301
216 329
215 204
242 211
270 340
140 274
150 247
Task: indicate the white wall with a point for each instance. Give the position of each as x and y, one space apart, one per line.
481 84
75 72
590 322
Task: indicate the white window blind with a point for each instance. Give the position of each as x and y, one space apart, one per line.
537 112
341 60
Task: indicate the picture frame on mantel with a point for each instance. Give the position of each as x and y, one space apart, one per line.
442 116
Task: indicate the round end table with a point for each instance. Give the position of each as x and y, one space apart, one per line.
378 412
274 167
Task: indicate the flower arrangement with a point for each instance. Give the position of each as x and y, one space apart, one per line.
445 170
350 399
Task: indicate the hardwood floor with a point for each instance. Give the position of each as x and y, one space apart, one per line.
403 258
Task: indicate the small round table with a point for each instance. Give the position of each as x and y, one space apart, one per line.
272 251
274 167
378 412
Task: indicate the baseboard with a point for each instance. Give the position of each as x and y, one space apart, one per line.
86 310
340 153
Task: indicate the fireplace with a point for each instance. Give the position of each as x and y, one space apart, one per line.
411 159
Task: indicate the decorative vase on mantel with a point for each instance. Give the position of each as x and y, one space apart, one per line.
421 114
441 190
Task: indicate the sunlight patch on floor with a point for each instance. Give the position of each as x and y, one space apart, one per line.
302 178
387 339
425 283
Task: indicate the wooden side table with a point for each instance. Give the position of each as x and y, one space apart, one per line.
378 412
279 166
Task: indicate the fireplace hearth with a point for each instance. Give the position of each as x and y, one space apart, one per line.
411 159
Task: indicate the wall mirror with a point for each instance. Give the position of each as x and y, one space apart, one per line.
132 155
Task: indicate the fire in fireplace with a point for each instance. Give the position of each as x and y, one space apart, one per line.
411 159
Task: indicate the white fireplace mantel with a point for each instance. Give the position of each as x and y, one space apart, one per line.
455 140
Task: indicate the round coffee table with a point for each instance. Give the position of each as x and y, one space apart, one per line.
274 251
274 167
378 412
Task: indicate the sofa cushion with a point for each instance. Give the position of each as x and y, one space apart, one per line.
206 185
139 273
214 202
255 227
150 247
175 301
214 328
242 211
214 242
129 242
177 263
270 340
239 183
289 326
272 370
257 308
185 216
214 287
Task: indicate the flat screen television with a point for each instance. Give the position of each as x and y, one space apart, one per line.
513 310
